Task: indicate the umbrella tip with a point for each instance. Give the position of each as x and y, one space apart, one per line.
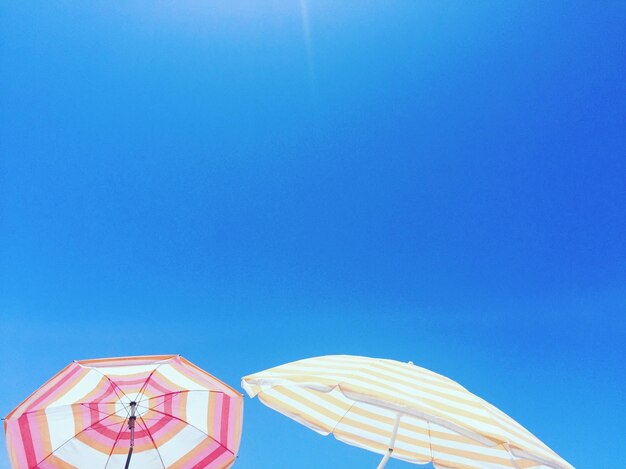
410 362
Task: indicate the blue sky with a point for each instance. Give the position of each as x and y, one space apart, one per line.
248 183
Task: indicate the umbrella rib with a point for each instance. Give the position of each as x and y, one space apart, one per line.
100 412
342 417
70 439
115 442
171 394
109 425
169 397
460 429
112 382
145 384
508 450
152 440
45 409
430 441
193 426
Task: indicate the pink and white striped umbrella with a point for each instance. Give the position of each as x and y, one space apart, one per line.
142 412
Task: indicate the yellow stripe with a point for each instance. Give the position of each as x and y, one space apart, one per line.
294 412
397 385
437 398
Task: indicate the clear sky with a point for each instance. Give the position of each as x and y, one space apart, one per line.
247 183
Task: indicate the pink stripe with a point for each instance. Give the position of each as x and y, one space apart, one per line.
94 431
125 361
220 450
14 444
105 430
55 387
34 422
47 464
224 423
154 428
122 382
167 406
31 458
217 419
106 392
234 422
201 376
159 386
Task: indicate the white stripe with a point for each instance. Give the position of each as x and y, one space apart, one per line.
404 431
180 380
324 400
417 374
60 425
394 368
148 459
77 393
329 423
416 407
123 370
394 387
198 410
471 462
180 444
78 454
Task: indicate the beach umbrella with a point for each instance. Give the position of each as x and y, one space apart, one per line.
137 412
399 410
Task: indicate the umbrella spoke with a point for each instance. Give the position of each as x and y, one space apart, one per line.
119 433
98 403
86 404
171 395
192 426
70 439
145 384
115 386
151 439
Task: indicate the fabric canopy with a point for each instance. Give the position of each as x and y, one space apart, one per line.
182 417
413 414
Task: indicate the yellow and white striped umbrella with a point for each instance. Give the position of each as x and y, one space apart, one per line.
399 410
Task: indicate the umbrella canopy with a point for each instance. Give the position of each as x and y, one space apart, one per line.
399 410
161 410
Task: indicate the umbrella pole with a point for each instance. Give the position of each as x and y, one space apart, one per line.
383 463
392 443
131 427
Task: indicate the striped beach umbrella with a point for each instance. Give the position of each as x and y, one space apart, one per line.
399 410
137 412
